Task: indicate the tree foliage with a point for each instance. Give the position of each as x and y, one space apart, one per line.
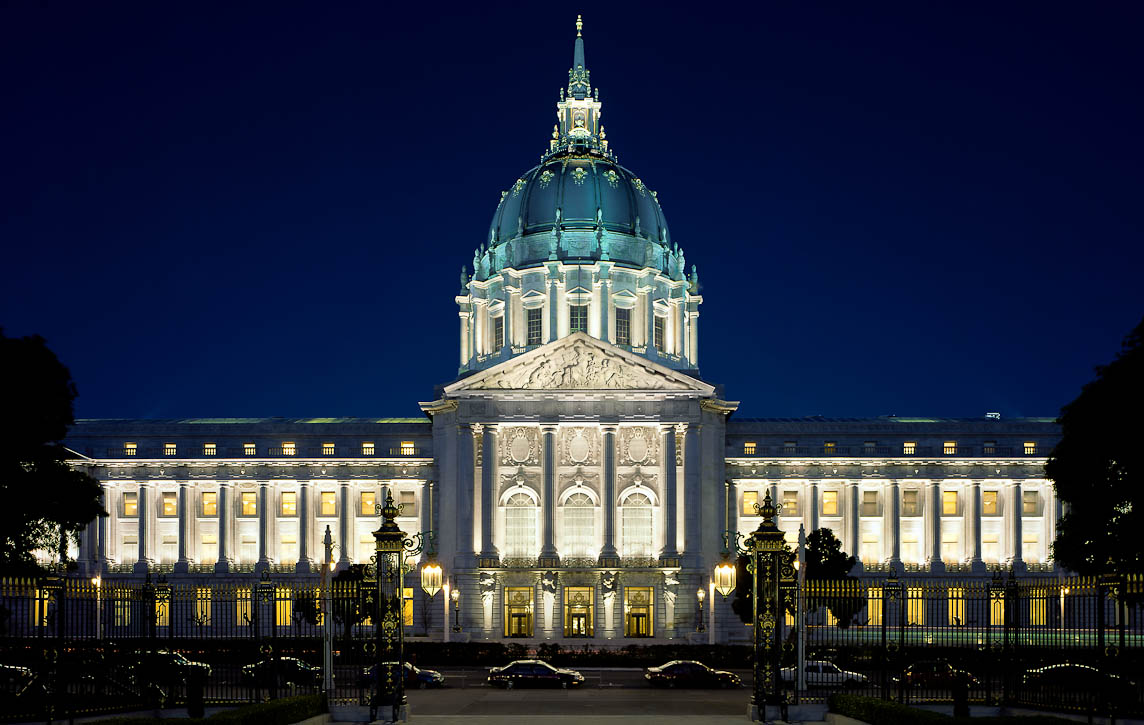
46 502
1096 468
826 562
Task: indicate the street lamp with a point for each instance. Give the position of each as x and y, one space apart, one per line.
724 575
456 597
699 594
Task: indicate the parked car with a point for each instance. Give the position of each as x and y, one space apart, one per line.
1069 683
533 673
415 677
689 673
935 674
17 681
163 667
820 673
282 672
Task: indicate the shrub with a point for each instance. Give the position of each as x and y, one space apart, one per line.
883 712
283 711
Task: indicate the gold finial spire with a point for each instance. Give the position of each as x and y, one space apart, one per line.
579 24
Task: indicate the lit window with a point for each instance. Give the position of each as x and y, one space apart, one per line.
130 504
498 333
210 449
949 503
249 503
168 449
1030 448
911 503
749 448
991 547
790 446
534 320
170 504
367 448
911 548
210 503
790 503
639 608
637 525
869 503
578 318
408 449
329 503
518 611
288 448
520 526
1030 503
829 447
623 326
870 547
130 449
750 500
989 503
950 546
408 503
1030 549
989 449
949 448
248 449
829 503
202 606
657 333
909 448
579 525
327 449
579 608
289 503
368 501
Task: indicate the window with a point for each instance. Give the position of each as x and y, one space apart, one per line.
1030 550
328 449
911 548
950 547
869 447
991 547
869 503
829 503
1030 503
242 606
949 448
870 547
203 606
408 501
534 322
830 447
915 606
790 446
578 318
623 326
130 449
638 610
956 606
209 503
289 504
518 611
790 503
368 502
750 500
289 552
949 503
749 448
874 606
130 503
1030 448
657 333
283 606
169 449
909 448
637 526
249 500
367 448
408 449
989 449
989 503
911 502
170 504
407 606
329 503
289 449
579 611
248 449
498 333
520 526
579 525
210 449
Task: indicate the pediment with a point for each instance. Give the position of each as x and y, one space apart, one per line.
580 362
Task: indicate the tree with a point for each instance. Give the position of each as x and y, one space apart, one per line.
46 502
1096 468
829 567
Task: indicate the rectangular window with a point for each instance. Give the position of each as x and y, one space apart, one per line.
950 547
639 607
130 449
750 500
248 449
989 449
329 503
911 503
830 447
578 318
997 612
203 606
210 449
949 503
991 547
1030 547
283 606
949 448
870 548
1030 448
242 607
1030 503
956 606
579 611
368 501
130 503
869 447
518 611
790 503
210 503
874 606
790 446
911 549
1039 607
915 606
829 503
534 320
170 504
909 448
989 503
749 448
367 448
169 449
408 449
498 333
288 448
657 333
408 503
249 501
869 503
289 504
623 326
328 449
121 605
289 552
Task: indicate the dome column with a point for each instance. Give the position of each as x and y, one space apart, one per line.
553 318
604 307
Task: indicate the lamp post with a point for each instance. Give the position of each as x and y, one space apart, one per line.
456 597
699 594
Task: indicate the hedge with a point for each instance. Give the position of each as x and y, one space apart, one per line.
886 712
283 711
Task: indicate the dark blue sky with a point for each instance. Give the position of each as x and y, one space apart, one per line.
916 208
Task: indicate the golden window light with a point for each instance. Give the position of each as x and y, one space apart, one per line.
329 503
248 449
249 503
829 503
130 449
988 503
367 448
407 448
169 449
750 498
210 503
210 449
289 503
749 448
368 501
909 448
949 503
130 504
170 504
288 448
328 449
949 448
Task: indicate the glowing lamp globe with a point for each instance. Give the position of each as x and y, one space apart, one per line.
431 577
725 578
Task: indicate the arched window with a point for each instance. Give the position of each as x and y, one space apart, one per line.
520 526
637 528
579 526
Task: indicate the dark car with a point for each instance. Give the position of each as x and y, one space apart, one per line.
533 673
16 681
689 673
163 667
1076 684
415 677
282 672
936 674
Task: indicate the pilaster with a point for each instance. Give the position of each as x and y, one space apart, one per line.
976 564
548 554
669 556
183 565
892 524
146 527
608 554
692 497
305 563
225 528
264 505
490 557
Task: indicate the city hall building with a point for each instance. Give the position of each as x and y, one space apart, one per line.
579 474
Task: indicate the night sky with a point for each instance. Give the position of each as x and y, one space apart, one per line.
262 209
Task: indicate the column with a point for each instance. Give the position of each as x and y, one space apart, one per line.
892 524
466 470
731 496
263 527
104 524
427 516
472 318
933 526
1050 515
681 329
853 530
548 554
183 565
1015 504
670 555
225 527
604 311
489 555
552 311
142 564
693 335
305 562
810 516
508 328
344 537
649 341
608 554
692 497
464 317
974 529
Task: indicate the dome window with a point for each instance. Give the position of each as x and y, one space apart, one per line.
623 326
577 318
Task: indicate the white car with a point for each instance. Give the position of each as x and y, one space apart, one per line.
820 673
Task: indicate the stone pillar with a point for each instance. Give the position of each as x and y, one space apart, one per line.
490 557
608 554
604 311
669 556
681 329
692 497
976 564
146 526
465 557
104 523
344 536
892 524
548 555
506 346
1016 508
427 515
649 308
693 334
183 565
464 317
305 521
933 527
810 518
853 510
225 527
264 558
553 318
472 317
